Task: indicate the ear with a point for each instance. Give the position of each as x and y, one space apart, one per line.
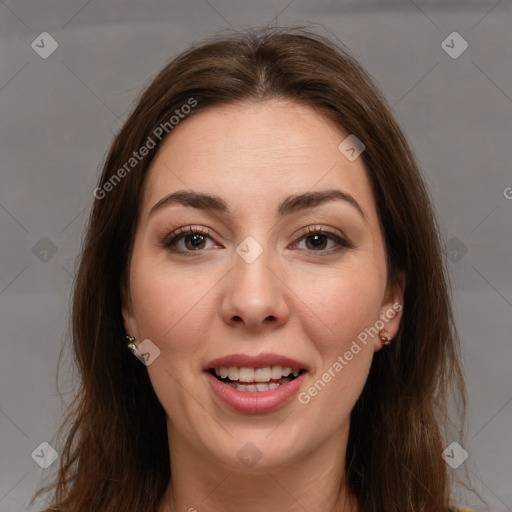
130 324
391 308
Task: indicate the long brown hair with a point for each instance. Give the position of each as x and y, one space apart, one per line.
115 456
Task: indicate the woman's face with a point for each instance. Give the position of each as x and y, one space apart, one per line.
271 272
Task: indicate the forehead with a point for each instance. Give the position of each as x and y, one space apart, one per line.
255 151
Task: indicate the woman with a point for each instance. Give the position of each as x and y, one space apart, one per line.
261 240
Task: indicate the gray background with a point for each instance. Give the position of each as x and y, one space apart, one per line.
59 116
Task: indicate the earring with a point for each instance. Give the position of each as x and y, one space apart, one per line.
130 343
386 340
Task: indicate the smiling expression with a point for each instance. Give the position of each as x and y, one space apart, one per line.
257 241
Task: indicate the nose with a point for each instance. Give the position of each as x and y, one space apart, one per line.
254 296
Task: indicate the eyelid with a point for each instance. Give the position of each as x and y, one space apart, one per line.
331 233
337 236
173 235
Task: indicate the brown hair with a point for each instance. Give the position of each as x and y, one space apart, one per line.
115 456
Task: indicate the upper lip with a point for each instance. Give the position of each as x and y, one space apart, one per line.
259 361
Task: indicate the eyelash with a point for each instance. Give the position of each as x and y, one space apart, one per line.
172 238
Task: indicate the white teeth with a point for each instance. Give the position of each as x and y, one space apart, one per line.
252 375
252 388
277 372
233 373
245 374
262 374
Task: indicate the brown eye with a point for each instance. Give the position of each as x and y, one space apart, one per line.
186 241
196 241
317 240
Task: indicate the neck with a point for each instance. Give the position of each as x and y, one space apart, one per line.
313 481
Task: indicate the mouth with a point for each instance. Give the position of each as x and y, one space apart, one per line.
255 384
254 380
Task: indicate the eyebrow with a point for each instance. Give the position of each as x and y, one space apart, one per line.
291 204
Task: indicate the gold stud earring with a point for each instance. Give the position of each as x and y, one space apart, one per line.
130 343
386 340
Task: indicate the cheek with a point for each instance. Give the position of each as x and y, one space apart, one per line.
345 309
330 396
170 310
345 306
345 303
169 306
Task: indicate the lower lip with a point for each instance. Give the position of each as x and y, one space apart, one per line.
258 402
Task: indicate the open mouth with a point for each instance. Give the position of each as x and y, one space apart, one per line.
252 380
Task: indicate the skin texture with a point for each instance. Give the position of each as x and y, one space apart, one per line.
306 303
